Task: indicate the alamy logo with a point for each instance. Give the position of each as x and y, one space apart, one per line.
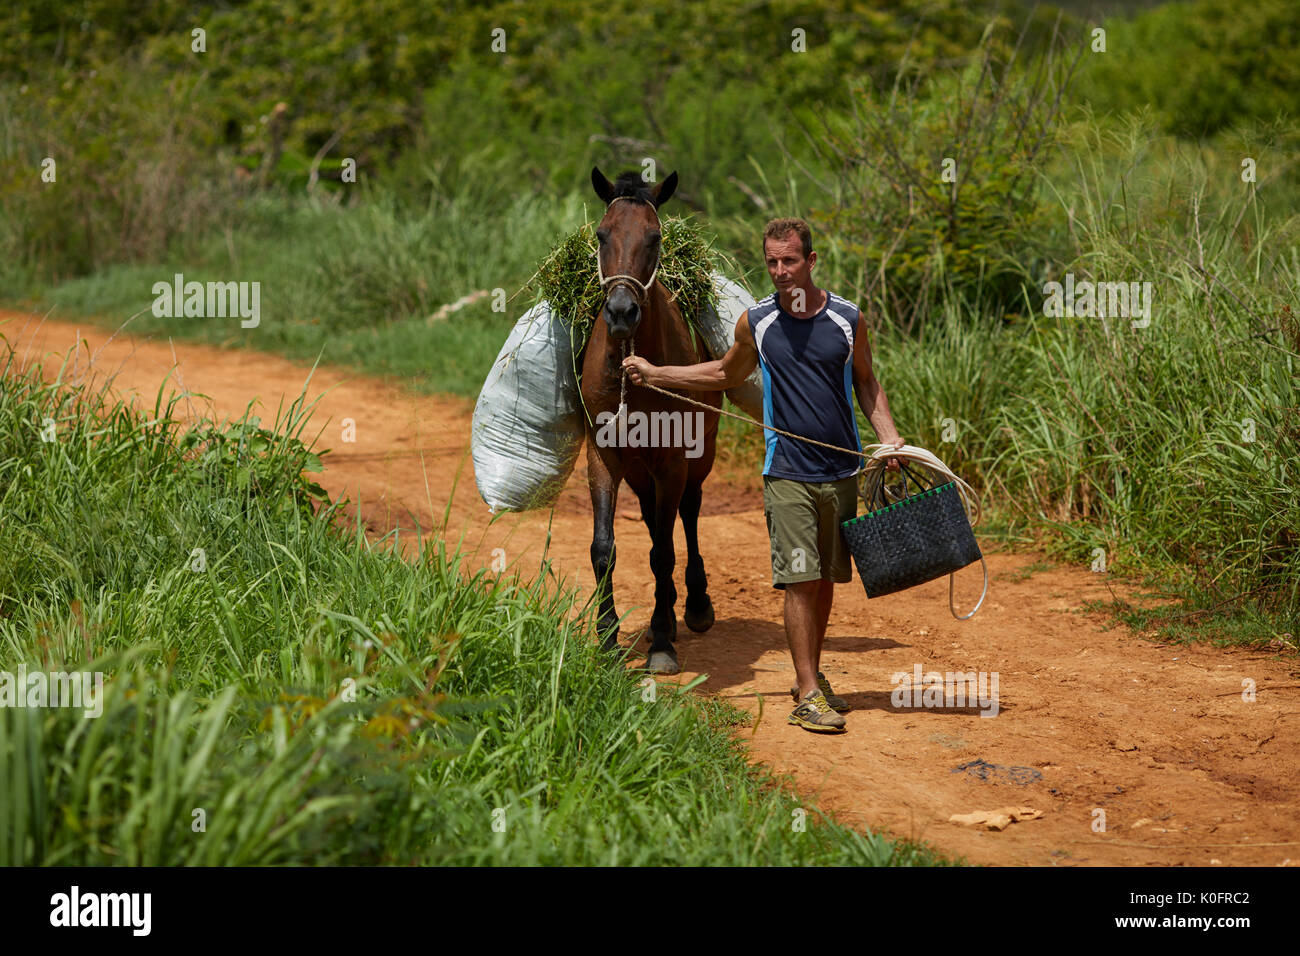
102 909
211 300
1099 300
651 430
80 689
935 689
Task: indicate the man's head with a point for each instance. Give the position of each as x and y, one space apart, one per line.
787 250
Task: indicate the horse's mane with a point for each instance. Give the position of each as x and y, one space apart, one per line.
630 185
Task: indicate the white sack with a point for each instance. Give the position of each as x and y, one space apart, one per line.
528 422
719 329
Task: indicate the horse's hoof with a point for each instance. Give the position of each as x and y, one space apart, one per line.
699 621
611 641
662 662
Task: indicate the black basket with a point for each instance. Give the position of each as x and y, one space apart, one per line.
918 538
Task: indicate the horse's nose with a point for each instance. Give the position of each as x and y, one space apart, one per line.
622 313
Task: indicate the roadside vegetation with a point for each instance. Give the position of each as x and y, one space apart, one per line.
280 689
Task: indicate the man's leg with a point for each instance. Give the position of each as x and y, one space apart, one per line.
825 595
802 610
805 626
837 503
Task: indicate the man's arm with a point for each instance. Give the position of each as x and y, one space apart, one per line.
871 395
726 372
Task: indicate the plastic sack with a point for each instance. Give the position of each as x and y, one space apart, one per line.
719 330
528 424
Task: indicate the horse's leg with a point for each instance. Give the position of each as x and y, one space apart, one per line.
699 609
646 498
662 658
603 483
643 485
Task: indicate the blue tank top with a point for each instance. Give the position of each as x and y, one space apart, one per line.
807 367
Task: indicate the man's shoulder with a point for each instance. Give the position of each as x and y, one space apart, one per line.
846 309
763 307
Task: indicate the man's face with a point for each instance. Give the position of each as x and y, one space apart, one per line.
786 264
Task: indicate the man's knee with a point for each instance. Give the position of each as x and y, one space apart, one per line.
804 592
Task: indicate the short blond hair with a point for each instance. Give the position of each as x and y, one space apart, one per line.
780 228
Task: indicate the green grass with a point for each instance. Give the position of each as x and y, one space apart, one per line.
568 277
232 626
1171 447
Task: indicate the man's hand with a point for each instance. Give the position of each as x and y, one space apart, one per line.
638 370
894 463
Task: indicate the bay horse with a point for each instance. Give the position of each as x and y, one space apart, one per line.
638 312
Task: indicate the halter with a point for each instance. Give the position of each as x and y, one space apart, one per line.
606 280
628 346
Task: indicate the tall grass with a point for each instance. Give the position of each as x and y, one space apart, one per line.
90 175
1172 447
358 286
487 726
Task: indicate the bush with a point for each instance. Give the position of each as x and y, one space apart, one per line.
1203 66
936 182
136 168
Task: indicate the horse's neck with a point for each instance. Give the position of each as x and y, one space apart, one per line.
663 337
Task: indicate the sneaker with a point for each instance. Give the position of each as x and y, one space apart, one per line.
816 714
837 703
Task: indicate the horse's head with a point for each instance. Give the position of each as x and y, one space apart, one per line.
627 258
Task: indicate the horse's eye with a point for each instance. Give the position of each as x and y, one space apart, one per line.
602 234
656 238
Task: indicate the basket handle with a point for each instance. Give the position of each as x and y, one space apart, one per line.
878 498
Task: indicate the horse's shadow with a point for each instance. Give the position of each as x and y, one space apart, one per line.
732 653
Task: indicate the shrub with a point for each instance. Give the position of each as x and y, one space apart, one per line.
936 180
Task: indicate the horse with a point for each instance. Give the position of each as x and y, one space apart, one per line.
638 312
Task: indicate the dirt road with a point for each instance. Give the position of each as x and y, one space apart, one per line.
1089 722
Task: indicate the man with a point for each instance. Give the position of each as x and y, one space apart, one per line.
812 346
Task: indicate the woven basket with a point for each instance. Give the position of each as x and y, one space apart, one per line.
920 537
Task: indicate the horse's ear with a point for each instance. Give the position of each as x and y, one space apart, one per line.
604 189
665 190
